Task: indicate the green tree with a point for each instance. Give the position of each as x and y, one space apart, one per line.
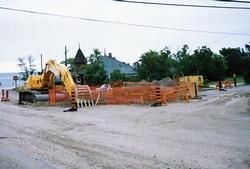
180 54
27 66
70 64
218 68
184 62
202 61
208 64
95 55
155 65
246 61
116 75
95 73
234 59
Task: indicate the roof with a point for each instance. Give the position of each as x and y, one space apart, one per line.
111 64
80 58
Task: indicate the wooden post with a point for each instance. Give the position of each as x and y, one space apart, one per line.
196 90
235 82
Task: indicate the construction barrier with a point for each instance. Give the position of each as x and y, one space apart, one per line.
130 93
82 97
168 94
183 92
146 94
225 84
5 96
58 94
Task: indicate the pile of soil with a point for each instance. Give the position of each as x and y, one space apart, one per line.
166 82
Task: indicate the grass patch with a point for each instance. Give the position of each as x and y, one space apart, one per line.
239 80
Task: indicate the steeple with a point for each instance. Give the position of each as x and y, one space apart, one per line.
80 59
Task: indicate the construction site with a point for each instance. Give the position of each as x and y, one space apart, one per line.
125 84
159 124
57 86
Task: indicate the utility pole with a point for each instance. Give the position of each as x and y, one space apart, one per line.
66 60
41 63
105 52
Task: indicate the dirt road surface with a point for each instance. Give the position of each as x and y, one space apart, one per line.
213 133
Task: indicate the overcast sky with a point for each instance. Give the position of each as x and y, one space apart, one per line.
23 34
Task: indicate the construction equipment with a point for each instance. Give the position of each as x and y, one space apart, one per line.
224 84
193 79
54 74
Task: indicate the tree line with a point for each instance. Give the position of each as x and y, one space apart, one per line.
155 65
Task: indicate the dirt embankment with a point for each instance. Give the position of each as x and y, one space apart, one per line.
210 133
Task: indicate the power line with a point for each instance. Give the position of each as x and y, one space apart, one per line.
219 40
234 1
182 5
123 23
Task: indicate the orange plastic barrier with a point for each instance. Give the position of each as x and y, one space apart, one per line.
130 93
58 94
138 95
5 96
225 84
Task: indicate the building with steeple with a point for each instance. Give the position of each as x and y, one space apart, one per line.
80 62
80 59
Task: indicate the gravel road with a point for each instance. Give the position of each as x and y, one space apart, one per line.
209 133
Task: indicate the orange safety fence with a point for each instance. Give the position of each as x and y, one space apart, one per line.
130 93
146 94
126 95
138 95
168 94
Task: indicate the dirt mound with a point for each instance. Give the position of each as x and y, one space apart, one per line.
143 81
167 82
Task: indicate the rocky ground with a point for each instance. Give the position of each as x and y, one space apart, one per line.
212 132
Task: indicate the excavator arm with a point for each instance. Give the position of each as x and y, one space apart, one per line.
47 79
53 70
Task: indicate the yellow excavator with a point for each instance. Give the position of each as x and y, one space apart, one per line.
54 73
